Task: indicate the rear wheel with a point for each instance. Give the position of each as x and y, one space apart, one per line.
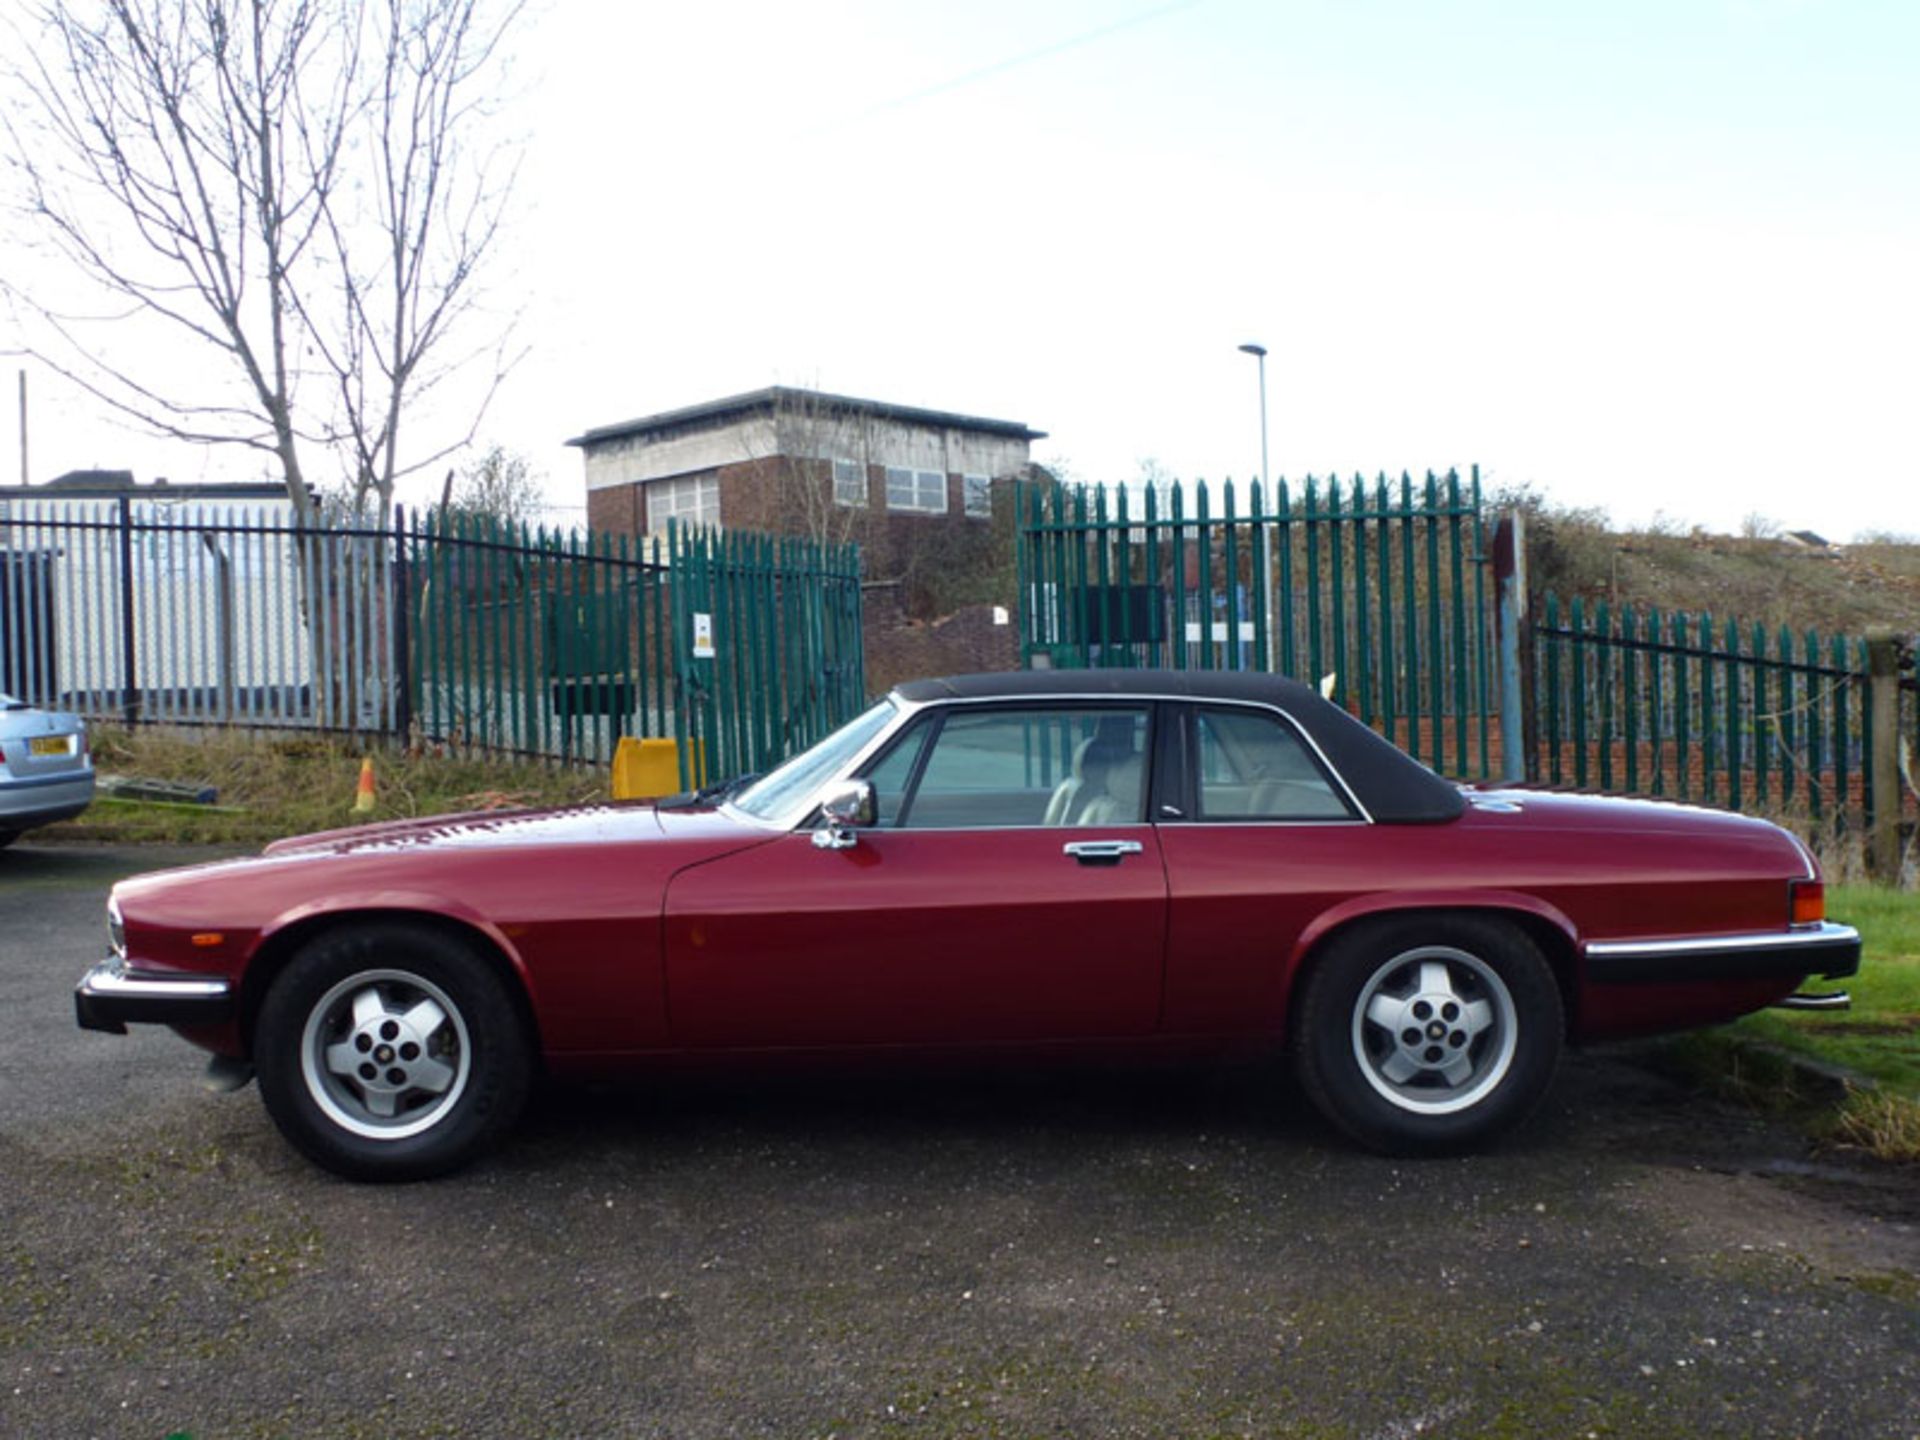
1428 1033
391 1051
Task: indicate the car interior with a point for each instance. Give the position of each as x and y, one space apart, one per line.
1016 767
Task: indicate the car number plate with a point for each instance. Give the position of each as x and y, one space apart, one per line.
49 745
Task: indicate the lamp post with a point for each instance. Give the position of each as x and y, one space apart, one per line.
1259 353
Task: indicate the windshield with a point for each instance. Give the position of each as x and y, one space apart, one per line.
780 790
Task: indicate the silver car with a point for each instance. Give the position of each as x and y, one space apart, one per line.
46 769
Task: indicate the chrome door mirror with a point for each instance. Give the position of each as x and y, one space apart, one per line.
847 807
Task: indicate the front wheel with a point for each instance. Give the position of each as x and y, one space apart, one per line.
1429 1033
391 1052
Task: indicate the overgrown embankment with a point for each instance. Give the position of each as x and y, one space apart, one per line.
270 786
1764 577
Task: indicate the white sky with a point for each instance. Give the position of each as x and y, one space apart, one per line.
1655 255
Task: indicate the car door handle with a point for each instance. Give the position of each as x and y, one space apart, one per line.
1100 852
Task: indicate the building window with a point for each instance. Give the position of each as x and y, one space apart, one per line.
692 500
849 482
922 490
977 496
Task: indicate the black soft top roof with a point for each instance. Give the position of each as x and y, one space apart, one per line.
1395 788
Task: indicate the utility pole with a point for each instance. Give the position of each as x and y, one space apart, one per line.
23 425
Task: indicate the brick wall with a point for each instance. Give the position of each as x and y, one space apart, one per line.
906 559
615 510
900 647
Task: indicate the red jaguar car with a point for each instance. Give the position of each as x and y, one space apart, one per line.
1038 862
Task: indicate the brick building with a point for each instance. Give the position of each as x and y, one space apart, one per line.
927 494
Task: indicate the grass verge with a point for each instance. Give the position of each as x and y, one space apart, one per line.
270 786
1878 1040
1880 1036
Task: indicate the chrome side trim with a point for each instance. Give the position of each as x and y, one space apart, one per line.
1353 822
1826 933
1806 855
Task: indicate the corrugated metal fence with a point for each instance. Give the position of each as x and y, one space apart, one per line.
197 614
459 631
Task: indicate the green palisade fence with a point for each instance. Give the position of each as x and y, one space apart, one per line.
785 663
1699 709
452 630
538 642
1379 584
534 642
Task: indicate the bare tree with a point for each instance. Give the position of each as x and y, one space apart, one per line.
811 434
299 188
500 486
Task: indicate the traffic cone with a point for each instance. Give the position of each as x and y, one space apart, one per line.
363 797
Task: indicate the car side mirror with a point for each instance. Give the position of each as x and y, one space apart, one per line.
847 807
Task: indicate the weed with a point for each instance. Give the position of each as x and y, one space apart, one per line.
1883 1123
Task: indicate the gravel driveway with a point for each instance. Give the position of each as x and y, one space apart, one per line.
1087 1254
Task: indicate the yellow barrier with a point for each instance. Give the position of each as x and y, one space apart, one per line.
647 769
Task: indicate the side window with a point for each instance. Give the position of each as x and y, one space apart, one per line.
1254 767
1025 767
890 774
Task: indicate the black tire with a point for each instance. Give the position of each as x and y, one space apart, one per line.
360 1075
1409 1060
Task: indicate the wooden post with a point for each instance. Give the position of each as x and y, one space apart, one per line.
1510 587
1883 759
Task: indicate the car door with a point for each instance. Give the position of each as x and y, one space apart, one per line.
1012 891
1260 838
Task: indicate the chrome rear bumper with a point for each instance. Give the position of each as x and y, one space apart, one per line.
1823 949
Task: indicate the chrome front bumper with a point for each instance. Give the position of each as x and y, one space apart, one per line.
110 997
1825 949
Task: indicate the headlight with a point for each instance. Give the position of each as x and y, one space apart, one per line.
116 932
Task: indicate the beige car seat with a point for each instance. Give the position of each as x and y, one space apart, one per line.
1119 802
1290 785
1087 778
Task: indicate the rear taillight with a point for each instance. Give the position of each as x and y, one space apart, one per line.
1806 902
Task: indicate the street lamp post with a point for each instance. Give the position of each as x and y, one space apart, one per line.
1259 353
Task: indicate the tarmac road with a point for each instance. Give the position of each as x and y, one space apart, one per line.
1088 1254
